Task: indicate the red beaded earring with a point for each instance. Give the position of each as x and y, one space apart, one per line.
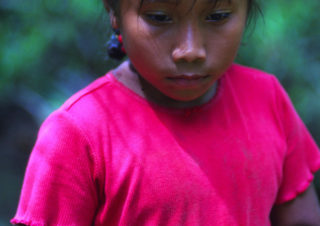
115 46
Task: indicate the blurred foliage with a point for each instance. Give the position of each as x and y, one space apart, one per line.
285 42
49 49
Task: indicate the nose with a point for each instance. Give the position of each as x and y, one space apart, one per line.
189 45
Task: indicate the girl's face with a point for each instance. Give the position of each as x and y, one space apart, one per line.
182 47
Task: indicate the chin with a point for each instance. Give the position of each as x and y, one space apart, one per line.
192 97
187 97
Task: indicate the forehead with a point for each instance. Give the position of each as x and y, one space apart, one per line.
190 4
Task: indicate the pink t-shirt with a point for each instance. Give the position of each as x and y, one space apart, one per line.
109 157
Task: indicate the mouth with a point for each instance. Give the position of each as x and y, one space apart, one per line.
189 77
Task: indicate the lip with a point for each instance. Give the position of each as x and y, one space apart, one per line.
188 77
188 80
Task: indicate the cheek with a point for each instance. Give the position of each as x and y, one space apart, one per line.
135 44
148 54
228 40
140 55
144 41
223 50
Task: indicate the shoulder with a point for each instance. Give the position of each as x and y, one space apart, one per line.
250 76
252 85
89 94
74 131
89 106
83 114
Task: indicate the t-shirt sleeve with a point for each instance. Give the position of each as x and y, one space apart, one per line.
59 184
302 158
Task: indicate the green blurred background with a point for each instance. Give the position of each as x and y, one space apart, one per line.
49 49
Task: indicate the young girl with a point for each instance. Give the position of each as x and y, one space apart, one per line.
176 135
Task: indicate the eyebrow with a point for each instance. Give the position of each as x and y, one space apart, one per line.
178 1
161 1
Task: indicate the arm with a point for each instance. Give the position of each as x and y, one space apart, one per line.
303 210
301 161
59 187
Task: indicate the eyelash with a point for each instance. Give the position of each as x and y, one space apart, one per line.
163 18
218 17
159 17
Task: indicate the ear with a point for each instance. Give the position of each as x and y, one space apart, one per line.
112 17
113 20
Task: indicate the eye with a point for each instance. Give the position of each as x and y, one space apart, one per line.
218 16
158 17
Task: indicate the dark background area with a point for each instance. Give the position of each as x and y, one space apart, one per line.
50 49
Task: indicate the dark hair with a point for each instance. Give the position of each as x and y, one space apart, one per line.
252 13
